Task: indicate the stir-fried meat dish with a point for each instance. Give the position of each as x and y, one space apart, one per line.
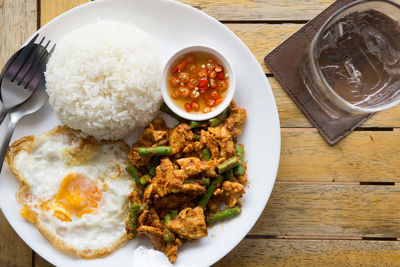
187 178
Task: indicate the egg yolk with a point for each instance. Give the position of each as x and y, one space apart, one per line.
27 214
78 195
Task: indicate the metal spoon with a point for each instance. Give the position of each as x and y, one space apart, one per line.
33 104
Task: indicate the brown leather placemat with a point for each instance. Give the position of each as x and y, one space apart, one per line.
283 62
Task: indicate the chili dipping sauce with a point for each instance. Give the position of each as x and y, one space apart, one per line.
197 82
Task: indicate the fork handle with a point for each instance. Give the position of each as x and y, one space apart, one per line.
3 115
6 142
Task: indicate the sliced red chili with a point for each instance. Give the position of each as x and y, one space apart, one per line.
184 77
222 85
221 75
193 82
212 74
182 65
213 83
195 106
188 107
219 101
210 64
206 109
175 94
202 73
214 94
184 91
218 68
174 70
203 82
210 102
174 81
194 94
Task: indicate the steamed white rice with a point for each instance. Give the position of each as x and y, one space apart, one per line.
104 79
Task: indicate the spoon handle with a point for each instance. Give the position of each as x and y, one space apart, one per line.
6 142
3 114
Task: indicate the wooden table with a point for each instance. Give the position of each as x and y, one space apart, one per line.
330 205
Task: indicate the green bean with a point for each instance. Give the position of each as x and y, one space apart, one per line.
239 151
166 109
214 122
134 173
196 137
145 179
155 150
239 170
174 213
223 214
155 161
224 115
229 175
197 124
168 235
206 154
210 190
203 181
143 207
132 220
228 164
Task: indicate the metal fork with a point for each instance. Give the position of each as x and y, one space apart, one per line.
33 104
23 75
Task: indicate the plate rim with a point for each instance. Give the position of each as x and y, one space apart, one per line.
275 113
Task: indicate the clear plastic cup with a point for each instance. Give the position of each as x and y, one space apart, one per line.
352 65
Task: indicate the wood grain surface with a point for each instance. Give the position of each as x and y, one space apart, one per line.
259 10
49 9
326 199
18 20
363 156
279 252
331 210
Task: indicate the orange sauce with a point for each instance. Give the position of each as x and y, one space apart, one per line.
197 82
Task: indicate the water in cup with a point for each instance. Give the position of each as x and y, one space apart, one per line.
359 56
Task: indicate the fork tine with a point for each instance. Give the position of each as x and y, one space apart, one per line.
21 58
34 66
28 63
39 75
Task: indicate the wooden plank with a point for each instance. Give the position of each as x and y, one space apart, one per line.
331 210
278 252
256 10
18 20
263 38
262 10
363 156
13 251
49 9
40 262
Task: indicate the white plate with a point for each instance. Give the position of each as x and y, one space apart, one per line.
174 25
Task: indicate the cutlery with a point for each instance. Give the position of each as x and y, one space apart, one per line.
33 104
23 75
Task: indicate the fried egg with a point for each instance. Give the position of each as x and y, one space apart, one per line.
74 189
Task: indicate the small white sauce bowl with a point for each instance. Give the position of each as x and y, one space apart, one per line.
230 90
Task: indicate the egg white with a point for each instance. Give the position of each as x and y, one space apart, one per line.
42 162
